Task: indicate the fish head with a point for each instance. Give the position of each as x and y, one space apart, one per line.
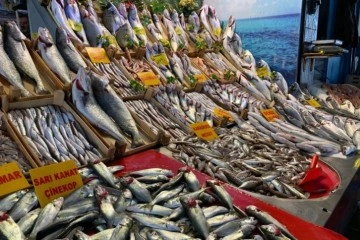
45 36
188 201
4 216
272 229
261 63
132 12
122 10
84 13
12 30
82 82
62 36
58 202
126 180
155 18
98 82
166 14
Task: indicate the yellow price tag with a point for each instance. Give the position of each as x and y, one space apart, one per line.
204 131
263 72
34 35
200 77
357 163
97 55
77 27
160 59
149 78
270 114
178 30
222 113
139 31
11 179
55 180
217 31
314 103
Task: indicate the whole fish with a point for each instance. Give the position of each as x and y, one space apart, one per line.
266 218
8 69
23 206
52 56
84 100
57 8
46 216
194 22
126 37
92 27
136 24
72 12
68 51
112 104
111 18
9 230
137 189
27 222
20 56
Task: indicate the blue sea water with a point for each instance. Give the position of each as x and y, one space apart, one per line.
274 39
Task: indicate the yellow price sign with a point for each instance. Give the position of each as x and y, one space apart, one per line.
97 55
139 31
204 131
217 31
34 35
200 77
270 114
149 78
55 180
11 179
314 103
222 113
160 59
357 163
77 27
263 72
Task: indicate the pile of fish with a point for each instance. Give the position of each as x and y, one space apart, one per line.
201 39
219 62
203 99
94 98
9 152
175 100
60 56
211 22
151 203
54 135
343 98
149 113
208 69
231 96
309 129
121 84
15 59
246 159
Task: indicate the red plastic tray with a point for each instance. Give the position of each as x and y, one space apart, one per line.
301 229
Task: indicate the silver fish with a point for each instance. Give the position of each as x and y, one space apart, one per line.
9 230
20 56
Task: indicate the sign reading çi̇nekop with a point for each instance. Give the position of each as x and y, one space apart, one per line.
55 180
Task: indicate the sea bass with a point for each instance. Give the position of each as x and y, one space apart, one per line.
115 107
68 51
126 37
84 100
52 56
92 28
112 19
19 54
72 12
8 69
136 24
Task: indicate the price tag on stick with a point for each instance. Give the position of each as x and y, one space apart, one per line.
204 131
11 179
149 78
55 180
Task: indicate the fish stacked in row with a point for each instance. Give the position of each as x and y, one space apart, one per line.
211 22
95 99
146 204
246 159
60 56
54 135
308 129
181 106
9 152
16 60
209 69
202 39
122 86
219 62
231 96
134 66
203 99
149 113
168 70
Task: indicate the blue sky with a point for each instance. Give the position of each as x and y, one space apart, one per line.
254 8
